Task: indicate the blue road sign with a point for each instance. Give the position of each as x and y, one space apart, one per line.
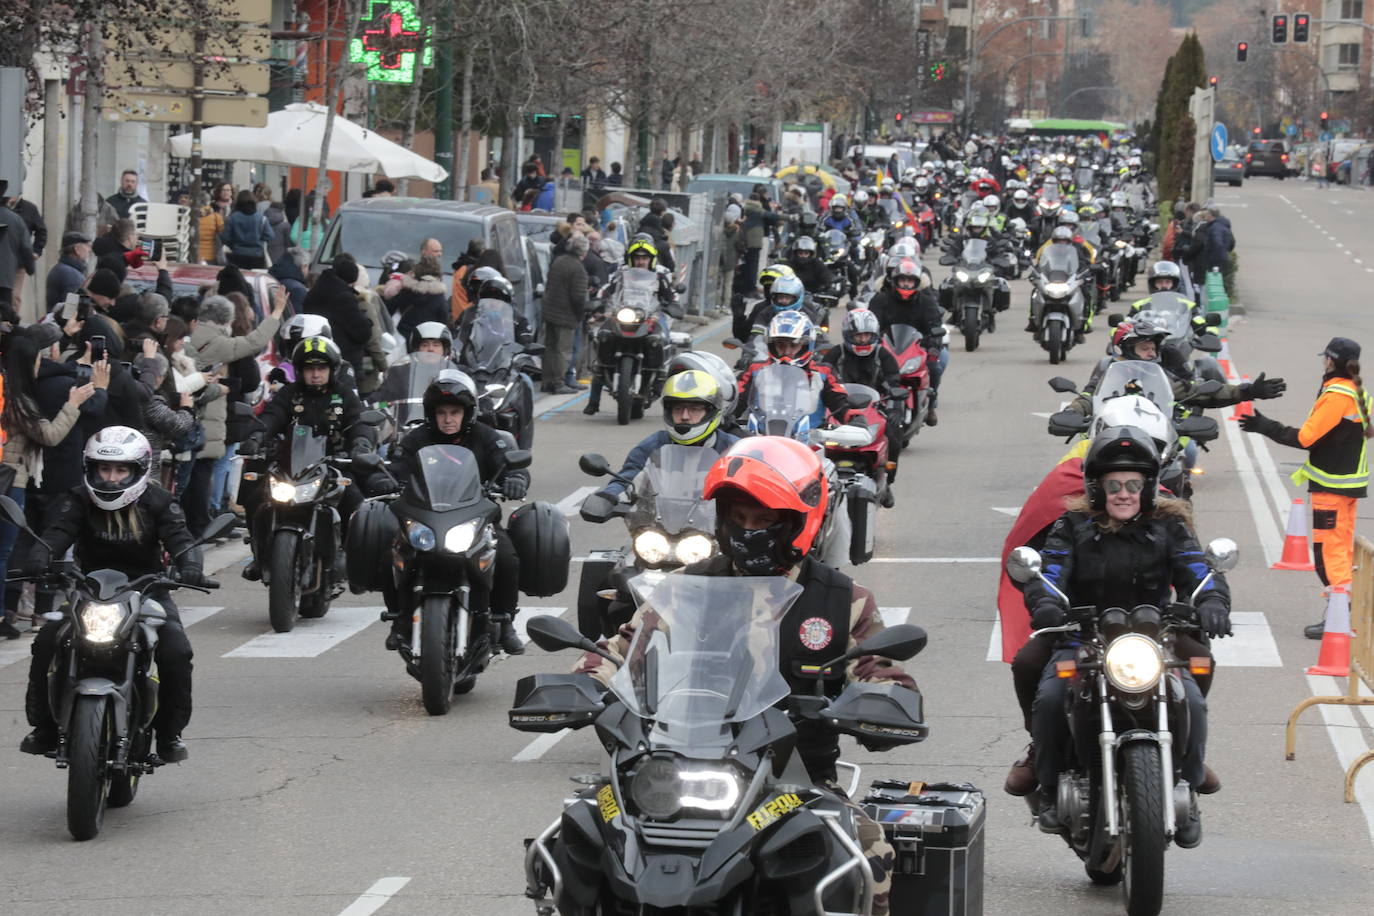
1218 142
1326 136
1291 130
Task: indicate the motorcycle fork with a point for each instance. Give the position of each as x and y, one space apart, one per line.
1106 741
1166 755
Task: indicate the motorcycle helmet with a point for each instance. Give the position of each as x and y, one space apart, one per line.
1119 201
839 206
1016 226
1020 197
906 278
1062 235
1130 333
1068 218
860 199
772 273
692 387
1121 448
861 329
474 280
641 245
497 287
123 446
704 361
804 248
795 327
888 186
316 351
1163 270
787 293
992 203
430 330
451 386
978 224
779 474
296 329
808 222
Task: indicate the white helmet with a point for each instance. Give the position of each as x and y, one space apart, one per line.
1021 197
992 203
1137 411
861 198
117 445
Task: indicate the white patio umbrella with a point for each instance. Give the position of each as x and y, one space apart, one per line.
293 137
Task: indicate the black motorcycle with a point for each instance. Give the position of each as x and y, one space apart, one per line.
102 684
973 292
1120 795
501 367
632 347
445 545
704 807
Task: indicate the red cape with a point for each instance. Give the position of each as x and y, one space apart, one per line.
1042 507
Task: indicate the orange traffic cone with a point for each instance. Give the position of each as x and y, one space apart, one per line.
1225 364
1243 408
1296 555
1333 659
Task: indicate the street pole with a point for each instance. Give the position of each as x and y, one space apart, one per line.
1202 107
443 100
197 109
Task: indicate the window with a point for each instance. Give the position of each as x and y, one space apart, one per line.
1348 57
1352 9
956 41
958 4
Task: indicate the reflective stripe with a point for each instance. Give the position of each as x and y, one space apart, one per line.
1341 481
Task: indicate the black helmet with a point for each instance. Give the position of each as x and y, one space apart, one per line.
316 351
1163 269
474 280
497 287
1121 448
430 330
807 244
451 387
1131 333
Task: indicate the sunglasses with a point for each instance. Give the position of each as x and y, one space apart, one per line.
1116 486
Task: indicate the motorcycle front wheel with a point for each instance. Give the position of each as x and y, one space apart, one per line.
284 592
1142 829
1054 341
89 742
438 643
624 391
972 327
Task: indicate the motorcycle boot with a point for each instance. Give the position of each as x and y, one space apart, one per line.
509 640
1048 818
40 742
171 749
1021 779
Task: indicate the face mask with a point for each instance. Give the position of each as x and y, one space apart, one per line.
754 553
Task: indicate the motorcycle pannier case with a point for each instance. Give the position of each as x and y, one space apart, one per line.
370 533
539 532
937 833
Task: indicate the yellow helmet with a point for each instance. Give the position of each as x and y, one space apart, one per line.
773 272
642 244
692 387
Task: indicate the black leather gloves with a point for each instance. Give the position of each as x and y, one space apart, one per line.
1048 614
1215 617
1263 389
1261 424
514 487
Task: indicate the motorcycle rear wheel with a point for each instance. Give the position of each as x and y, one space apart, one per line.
89 741
284 592
438 666
624 391
1142 830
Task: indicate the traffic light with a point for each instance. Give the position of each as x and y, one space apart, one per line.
1212 81
937 71
1325 120
1301 24
1280 29
1255 131
897 117
1242 50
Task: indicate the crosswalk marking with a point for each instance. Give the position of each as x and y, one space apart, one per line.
1251 646
893 616
195 614
1013 511
573 501
310 638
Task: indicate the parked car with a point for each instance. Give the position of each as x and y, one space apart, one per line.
189 279
1231 169
1266 157
369 228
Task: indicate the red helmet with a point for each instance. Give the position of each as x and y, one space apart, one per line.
777 473
906 267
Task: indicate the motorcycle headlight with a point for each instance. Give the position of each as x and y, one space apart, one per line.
984 276
662 787
100 622
912 365
694 548
628 315
1057 290
284 491
1133 663
652 546
961 276
420 535
460 537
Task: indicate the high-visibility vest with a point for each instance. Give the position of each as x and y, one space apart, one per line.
1360 478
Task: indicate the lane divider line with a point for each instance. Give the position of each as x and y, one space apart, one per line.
375 897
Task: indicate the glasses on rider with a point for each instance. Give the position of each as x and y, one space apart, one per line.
1114 487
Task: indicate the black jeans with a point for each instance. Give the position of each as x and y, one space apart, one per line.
195 502
173 655
503 598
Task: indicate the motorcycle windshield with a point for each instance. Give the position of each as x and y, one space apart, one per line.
1168 311
491 338
835 239
638 290
706 649
304 450
1134 377
409 379
669 491
443 477
890 208
781 402
1059 262
903 337
975 251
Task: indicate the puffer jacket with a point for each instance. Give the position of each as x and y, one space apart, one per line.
214 345
421 299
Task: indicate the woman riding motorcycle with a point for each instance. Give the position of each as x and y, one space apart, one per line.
1120 545
862 360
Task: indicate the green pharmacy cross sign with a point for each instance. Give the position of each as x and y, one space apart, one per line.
393 40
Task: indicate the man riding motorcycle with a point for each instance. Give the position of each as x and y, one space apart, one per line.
861 359
809 268
910 299
118 519
770 496
839 217
791 340
785 294
450 405
1120 545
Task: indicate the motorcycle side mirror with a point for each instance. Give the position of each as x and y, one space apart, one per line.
1200 428
594 465
1063 385
371 417
370 461
1207 343
899 643
948 260
1023 564
732 343
1115 318
13 514
1213 319
534 349
554 633
1222 554
220 525
518 459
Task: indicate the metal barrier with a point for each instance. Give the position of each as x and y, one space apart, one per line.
1361 659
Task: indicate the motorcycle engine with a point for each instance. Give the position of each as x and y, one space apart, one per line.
1074 806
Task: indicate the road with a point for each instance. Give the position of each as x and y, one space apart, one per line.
318 786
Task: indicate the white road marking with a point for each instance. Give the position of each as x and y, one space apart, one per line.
1041 415
540 746
310 638
1348 740
573 501
995 642
221 558
526 612
894 616
194 615
1265 525
1358 261
1013 511
375 897
936 560
1250 646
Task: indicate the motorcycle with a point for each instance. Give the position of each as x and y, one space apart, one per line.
670 526
1170 311
501 367
905 344
1120 795
632 345
973 290
102 684
704 807
858 448
445 542
1057 300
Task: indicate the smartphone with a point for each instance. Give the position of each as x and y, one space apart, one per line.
69 308
97 347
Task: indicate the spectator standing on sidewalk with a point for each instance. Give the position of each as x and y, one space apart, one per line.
565 301
127 195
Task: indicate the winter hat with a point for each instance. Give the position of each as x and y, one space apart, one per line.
104 282
44 334
346 269
114 262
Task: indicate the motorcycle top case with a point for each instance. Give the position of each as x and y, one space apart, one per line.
937 832
539 533
370 533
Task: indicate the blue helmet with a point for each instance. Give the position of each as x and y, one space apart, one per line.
787 286
794 326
